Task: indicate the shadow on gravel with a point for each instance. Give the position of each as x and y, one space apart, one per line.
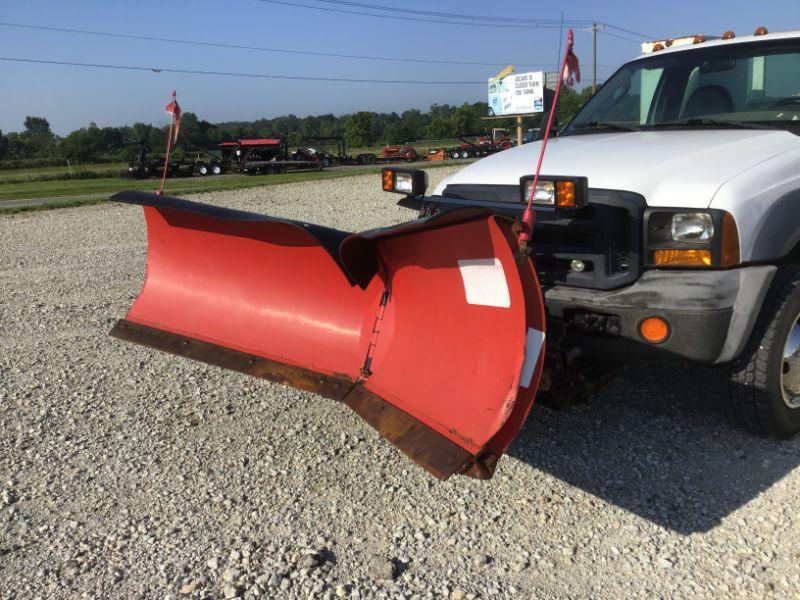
658 442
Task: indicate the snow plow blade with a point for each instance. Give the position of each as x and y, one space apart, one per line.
432 331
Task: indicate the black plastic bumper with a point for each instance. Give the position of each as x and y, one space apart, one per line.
710 315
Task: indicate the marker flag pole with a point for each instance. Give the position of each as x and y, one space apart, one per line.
569 73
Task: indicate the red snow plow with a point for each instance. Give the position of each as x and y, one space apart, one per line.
432 331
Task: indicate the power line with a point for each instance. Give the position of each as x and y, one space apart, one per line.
405 18
636 33
444 14
257 48
620 37
236 74
517 22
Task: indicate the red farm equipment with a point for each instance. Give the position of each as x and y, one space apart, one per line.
482 145
398 152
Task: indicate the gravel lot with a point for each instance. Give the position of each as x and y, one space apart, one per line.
126 473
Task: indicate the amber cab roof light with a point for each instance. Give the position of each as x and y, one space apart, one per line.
687 40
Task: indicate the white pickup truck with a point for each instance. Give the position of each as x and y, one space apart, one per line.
679 237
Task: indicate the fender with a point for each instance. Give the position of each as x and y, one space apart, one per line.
777 234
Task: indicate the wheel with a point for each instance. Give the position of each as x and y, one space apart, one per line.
765 381
456 154
202 169
216 169
326 162
464 154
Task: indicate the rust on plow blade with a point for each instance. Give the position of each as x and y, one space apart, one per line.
431 331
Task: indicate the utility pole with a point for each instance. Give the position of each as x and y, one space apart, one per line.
594 29
594 54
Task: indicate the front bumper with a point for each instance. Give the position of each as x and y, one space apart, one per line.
710 313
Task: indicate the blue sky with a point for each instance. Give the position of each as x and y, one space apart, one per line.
71 97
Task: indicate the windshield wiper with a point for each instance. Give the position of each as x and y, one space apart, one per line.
604 125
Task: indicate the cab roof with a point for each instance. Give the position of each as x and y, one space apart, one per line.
710 42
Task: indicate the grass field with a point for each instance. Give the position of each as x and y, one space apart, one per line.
92 188
38 173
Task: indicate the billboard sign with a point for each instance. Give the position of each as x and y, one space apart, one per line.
516 94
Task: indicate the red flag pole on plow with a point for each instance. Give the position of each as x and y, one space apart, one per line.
569 73
174 110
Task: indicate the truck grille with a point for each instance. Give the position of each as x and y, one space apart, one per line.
606 235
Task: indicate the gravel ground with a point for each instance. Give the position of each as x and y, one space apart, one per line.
127 473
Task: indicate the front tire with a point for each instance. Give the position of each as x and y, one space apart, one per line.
765 381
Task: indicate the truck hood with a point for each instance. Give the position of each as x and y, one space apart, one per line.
668 168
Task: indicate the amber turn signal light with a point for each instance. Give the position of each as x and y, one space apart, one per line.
654 330
388 180
730 242
565 194
681 258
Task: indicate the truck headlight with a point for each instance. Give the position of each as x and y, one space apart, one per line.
676 238
692 227
559 192
412 182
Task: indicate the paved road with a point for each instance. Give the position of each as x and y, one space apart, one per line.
26 202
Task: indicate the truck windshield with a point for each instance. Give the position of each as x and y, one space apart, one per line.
735 85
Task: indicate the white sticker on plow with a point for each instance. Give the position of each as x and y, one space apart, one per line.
533 348
485 282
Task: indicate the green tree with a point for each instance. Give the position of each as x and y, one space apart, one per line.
3 146
37 139
37 126
466 120
358 130
570 102
16 145
83 145
441 128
